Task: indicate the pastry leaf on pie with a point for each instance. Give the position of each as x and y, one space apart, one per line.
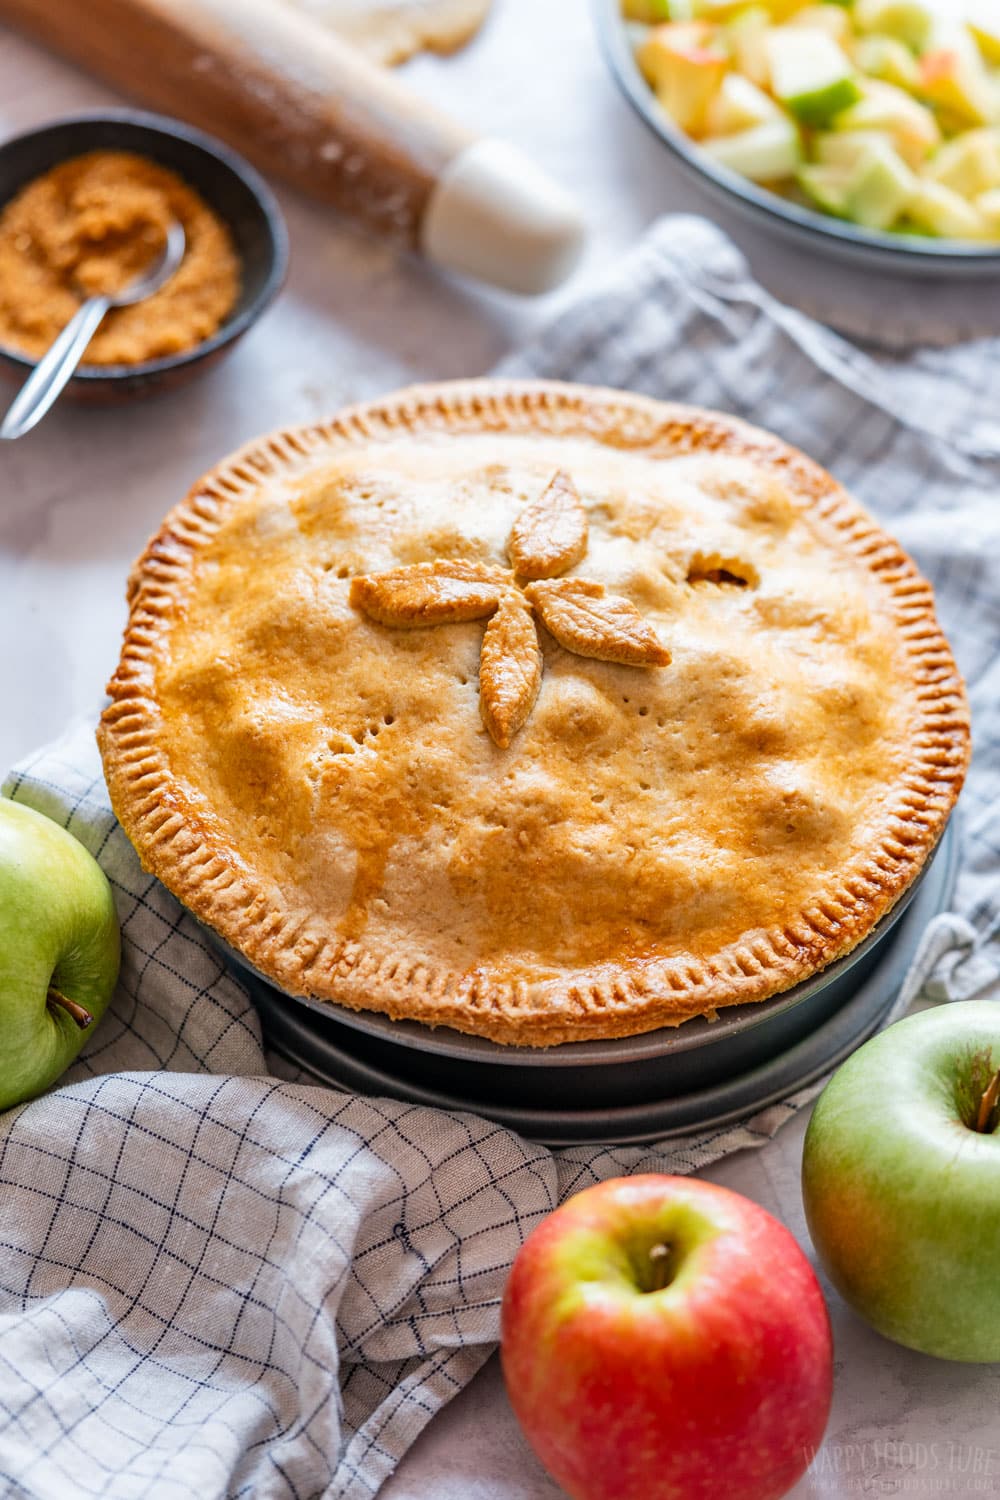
510 669
548 536
434 593
588 620
551 533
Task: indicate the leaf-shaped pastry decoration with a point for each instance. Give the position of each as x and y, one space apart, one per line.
510 669
434 593
550 534
588 620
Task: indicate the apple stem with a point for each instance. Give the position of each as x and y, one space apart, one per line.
662 1276
82 1017
988 1104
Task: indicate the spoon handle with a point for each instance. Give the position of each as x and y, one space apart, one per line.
54 369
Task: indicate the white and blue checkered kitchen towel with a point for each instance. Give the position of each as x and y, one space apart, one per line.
216 1282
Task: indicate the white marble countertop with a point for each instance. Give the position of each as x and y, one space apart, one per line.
79 497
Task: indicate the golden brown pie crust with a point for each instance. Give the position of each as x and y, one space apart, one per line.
655 842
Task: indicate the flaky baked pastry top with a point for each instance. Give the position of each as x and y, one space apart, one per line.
332 777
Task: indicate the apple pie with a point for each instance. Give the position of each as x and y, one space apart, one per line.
541 712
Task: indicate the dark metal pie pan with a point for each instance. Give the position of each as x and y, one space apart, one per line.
664 1083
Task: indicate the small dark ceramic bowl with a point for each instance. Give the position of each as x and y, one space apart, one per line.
232 188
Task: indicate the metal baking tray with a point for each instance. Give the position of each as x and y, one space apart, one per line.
664 1083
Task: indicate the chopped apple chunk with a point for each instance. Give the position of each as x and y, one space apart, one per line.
810 74
739 105
685 70
767 153
940 210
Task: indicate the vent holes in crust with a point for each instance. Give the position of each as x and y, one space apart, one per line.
724 572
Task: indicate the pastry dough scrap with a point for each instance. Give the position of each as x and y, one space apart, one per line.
390 31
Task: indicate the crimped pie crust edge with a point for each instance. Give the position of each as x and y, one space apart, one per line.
614 1000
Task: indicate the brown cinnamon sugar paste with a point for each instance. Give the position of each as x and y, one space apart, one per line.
94 224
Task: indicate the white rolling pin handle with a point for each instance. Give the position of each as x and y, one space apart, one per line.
496 216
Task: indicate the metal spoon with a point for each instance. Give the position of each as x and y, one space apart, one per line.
57 364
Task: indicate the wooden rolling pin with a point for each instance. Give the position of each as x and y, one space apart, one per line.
304 105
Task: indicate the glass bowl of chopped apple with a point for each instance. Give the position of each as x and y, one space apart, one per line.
868 128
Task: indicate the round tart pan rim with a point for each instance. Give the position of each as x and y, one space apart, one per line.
730 1099
689 1036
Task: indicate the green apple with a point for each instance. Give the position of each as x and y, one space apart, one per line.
59 950
901 1181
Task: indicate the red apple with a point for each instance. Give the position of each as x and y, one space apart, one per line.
666 1339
